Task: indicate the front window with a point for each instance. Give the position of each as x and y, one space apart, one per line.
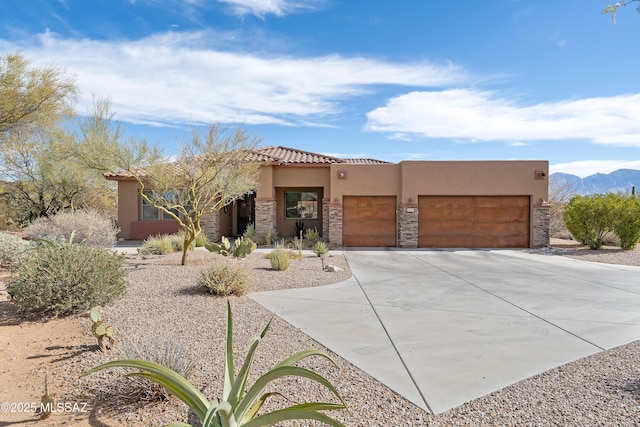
151 213
301 205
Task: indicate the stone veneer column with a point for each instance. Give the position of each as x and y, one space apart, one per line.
210 224
266 215
335 224
541 223
408 227
325 218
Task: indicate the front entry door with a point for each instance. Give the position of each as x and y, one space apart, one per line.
246 212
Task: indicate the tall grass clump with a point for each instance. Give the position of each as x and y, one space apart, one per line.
141 346
279 258
270 235
225 279
320 248
158 245
60 279
87 227
312 235
11 248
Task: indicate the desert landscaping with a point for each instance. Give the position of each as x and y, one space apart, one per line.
162 312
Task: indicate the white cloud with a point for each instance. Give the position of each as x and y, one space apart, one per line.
265 7
486 116
176 78
589 167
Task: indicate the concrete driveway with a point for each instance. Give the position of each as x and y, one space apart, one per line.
442 327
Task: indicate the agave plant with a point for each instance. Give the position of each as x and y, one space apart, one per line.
238 408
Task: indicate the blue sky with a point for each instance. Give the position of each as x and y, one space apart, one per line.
393 80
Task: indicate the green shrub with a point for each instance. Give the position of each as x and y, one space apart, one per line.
320 248
626 223
201 240
225 279
66 278
279 258
158 245
11 248
88 227
250 232
177 242
312 235
270 235
589 218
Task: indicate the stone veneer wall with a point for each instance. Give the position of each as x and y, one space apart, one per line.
335 224
541 223
210 224
325 218
408 227
266 215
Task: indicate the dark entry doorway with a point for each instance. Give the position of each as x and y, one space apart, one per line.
246 208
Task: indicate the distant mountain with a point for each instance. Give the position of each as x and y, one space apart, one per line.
621 180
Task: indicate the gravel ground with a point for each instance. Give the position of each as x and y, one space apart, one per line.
163 306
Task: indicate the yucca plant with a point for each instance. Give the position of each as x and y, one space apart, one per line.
238 408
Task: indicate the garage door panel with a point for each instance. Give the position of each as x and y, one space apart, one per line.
499 228
497 214
369 221
448 228
446 202
473 221
370 214
367 202
447 213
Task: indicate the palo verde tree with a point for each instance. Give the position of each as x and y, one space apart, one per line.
211 171
40 174
32 97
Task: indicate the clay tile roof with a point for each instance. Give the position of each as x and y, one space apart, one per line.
365 161
293 156
275 154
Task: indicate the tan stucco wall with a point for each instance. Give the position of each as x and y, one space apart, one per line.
364 180
410 179
482 178
127 207
289 176
265 189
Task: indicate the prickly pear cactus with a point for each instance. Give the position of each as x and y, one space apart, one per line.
223 249
100 329
240 249
243 247
95 314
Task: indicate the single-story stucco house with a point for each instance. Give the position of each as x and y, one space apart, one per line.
364 202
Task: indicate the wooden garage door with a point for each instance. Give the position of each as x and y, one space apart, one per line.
473 222
369 221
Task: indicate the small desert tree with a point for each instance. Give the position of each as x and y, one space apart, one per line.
32 98
211 172
212 169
